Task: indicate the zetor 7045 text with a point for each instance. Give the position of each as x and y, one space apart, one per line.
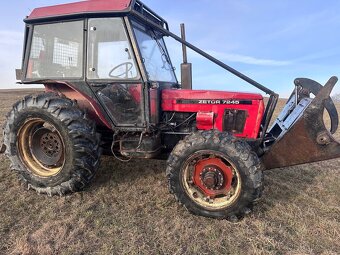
110 87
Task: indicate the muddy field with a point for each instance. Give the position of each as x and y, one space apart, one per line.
128 210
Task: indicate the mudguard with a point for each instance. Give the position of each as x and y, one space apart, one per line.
308 140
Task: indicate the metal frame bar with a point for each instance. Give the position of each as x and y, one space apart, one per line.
142 70
204 54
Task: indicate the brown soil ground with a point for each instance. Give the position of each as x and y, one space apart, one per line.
128 210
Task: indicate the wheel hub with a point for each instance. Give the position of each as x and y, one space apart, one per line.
213 177
47 147
50 144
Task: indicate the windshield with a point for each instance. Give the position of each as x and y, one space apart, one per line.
155 57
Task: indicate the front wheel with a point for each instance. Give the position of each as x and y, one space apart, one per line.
213 174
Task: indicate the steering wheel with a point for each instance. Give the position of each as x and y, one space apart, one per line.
128 67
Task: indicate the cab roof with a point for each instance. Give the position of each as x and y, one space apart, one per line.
95 8
82 7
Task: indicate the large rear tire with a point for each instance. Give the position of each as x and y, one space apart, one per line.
215 175
52 145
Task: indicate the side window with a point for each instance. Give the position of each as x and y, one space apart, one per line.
56 51
109 52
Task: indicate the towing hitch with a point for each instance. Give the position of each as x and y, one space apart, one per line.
299 134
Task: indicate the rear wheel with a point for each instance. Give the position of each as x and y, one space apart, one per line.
215 175
52 145
41 147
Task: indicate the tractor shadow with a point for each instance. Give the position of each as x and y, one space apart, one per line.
114 173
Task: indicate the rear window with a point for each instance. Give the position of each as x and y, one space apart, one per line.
56 51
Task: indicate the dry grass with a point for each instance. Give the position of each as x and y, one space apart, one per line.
128 210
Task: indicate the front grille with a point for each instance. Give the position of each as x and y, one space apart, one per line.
234 121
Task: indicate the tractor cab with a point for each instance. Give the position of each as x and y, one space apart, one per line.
116 62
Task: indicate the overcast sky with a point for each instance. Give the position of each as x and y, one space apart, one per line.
273 42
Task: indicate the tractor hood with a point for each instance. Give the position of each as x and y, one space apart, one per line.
209 97
217 109
172 97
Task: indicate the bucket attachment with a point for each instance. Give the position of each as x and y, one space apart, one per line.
299 134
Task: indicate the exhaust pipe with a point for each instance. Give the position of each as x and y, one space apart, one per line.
186 68
299 135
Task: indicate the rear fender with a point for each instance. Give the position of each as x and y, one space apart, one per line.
83 100
307 140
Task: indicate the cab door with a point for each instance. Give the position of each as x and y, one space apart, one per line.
113 73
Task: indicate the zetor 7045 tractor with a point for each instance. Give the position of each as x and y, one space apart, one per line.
110 87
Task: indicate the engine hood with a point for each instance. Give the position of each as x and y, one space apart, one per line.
208 94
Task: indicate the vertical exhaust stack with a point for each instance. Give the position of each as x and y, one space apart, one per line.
186 68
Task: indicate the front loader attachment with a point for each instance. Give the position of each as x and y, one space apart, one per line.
299 134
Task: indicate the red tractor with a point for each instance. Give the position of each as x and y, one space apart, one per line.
111 87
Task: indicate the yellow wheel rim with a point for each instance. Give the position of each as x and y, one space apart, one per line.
41 148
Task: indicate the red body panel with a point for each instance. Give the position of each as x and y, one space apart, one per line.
80 7
216 102
85 102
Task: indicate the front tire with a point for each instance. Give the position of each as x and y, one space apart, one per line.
52 145
215 175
